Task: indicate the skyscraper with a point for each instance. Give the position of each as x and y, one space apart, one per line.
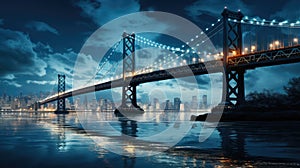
177 104
194 103
204 100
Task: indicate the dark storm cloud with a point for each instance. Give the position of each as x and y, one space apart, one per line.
102 11
213 8
41 26
17 55
289 11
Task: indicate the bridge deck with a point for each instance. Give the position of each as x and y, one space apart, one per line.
248 61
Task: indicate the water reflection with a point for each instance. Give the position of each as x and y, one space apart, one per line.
61 133
46 137
233 142
129 127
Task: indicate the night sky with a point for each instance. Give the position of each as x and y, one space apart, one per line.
40 39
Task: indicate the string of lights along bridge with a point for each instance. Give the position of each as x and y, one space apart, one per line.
241 42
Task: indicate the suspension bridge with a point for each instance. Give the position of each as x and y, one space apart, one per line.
238 53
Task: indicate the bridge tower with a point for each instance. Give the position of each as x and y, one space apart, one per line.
36 106
233 84
61 104
129 102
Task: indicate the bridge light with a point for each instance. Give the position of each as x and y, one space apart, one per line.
194 60
253 48
271 46
295 40
277 43
246 50
234 53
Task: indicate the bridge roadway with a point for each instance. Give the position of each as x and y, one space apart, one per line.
247 61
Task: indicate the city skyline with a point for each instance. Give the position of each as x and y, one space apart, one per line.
26 102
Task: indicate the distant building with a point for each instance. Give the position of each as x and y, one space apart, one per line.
156 105
77 103
204 101
93 105
194 103
177 103
168 105
187 106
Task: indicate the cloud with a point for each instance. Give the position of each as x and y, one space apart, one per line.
17 55
115 17
12 83
41 82
289 11
1 21
103 11
41 26
9 76
62 63
214 7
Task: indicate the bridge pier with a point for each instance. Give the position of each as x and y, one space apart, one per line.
233 83
129 102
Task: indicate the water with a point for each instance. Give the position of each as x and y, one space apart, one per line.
50 140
